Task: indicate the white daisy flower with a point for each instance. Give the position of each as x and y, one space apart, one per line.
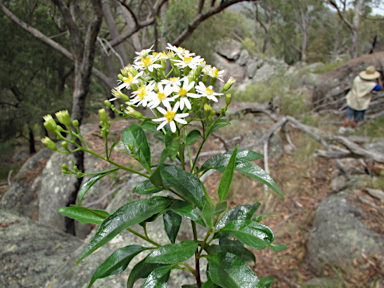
161 96
160 55
174 82
178 50
215 73
143 94
207 92
188 60
170 116
147 63
182 92
128 81
143 53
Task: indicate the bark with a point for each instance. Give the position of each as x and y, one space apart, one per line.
31 139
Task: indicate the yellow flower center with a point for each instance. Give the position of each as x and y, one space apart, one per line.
173 79
128 79
182 92
170 115
161 96
146 61
188 59
208 90
215 72
141 92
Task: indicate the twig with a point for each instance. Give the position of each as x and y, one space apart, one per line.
9 177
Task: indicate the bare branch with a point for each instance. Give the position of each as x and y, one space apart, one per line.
201 6
349 24
130 11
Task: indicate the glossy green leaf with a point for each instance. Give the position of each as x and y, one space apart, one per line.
186 210
172 222
127 215
229 271
134 137
220 207
184 183
267 281
277 247
249 232
172 144
207 213
247 155
226 179
255 172
146 187
90 182
159 136
158 278
113 146
141 270
192 137
218 124
155 178
237 248
148 126
173 253
117 262
209 284
83 214
238 213
258 218
190 286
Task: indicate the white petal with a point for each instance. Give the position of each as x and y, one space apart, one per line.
182 121
160 119
173 126
161 125
161 110
177 104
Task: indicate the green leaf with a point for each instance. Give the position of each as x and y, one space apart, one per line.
238 213
90 182
220 207
190 286
218 124
149 127
159 136
184 183
158 278
207 213
173 253
258 218
172 144
172 222
155 178
255 172
127 215
209 284
249 232
192 137
277 247
113 146
229 271
186 210
146 187
117 262
83 214
246 155
237 248
226 179
267 281
141 270
135 137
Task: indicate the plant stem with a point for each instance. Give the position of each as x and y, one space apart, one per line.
143 237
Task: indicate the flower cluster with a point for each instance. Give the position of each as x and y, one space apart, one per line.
173 84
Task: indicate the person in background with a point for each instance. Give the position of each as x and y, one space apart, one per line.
359 97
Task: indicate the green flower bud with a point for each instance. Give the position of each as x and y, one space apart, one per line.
134 87
229 84
163 64
49 123
228 99
213 81
103 115
120 95
213 112
223 110
121 77
186 70
49 143
76 123
64 118
207 109
133 113
65 169
60 129
177 70
132 70
108 103
64 144
205 78
198 70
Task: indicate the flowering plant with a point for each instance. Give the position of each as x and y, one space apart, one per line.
177 87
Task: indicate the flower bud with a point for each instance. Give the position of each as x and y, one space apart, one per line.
65 169
64 144
49 123
213 81
76 123
198 70
207 109
229 84
121 77
120 95
133 113
108 103
205 78
186 70
132 70
49 143
64 118
103 115
228 99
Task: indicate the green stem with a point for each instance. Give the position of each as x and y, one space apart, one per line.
97 173
197 155
143 237
106 147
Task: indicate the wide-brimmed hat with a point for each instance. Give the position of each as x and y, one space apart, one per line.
370 73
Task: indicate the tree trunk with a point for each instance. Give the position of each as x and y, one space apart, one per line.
355 32
31 138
